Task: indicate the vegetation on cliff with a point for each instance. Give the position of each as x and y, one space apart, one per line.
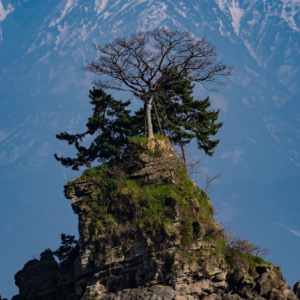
112 125
143 223
162 78
119 204
147 62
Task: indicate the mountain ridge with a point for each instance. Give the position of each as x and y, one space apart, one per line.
43 91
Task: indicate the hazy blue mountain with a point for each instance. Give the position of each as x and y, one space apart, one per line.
43 45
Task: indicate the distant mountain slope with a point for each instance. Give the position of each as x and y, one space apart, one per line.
43 91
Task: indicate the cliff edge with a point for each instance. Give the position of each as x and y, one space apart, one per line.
146 231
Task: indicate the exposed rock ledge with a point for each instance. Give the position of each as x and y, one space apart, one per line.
182 259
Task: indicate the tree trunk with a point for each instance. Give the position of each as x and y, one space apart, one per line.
183 155
149 121
145 120
157 119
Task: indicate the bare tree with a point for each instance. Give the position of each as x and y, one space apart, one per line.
241 245
191 163
145 62
209 178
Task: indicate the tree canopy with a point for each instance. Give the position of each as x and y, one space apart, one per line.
160 68
144 63
182 117
68 251
111 126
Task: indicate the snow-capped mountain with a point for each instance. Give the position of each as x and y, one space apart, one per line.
43 45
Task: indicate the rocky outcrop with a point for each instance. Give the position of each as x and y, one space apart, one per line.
296 289
152 162
265 281
151 293
147 232
45 279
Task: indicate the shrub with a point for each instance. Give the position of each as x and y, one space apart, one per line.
240 252
68 251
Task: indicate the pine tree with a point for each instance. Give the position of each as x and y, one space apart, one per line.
183 118
142 64
68 251
111 124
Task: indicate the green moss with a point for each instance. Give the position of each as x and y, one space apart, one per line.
118 204
220 246
148 204
142 139
139 139
255 261
117 201
98 171
208 237
235 259
159 137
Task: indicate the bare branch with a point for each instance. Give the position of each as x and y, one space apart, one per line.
209 178
145 62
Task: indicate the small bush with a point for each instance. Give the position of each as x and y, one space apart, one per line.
68 251
242 245
241 252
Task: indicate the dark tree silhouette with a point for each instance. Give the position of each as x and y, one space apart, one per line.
69 249
183 118
146 62
110 124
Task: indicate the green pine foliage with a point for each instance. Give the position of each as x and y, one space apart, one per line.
69 249
183 118
111 124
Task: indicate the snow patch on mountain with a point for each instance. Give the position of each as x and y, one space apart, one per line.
4 134
219 102
235 155
63 36
252 52
291 9
235 11
236 14
5 12
152 17
222 29
100 5
222 4
67 9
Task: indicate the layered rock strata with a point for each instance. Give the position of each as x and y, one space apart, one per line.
146 232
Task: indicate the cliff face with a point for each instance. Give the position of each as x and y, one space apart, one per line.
148 232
